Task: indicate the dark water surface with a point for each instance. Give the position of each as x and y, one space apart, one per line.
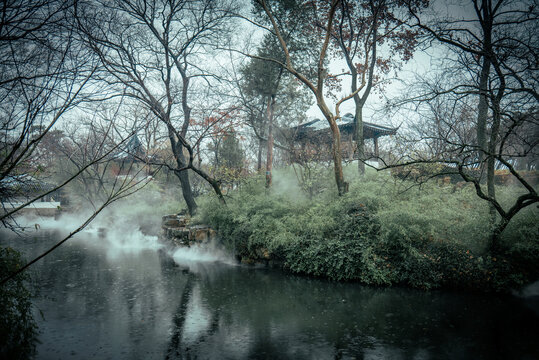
127 303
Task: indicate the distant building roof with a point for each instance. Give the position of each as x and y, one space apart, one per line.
133 150
319 127
24 184
134 145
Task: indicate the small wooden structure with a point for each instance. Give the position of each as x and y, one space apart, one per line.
314 137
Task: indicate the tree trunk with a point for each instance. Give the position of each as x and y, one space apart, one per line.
185 183
269 157
360 142
317 90
361 100
491 189
342 186
482 110
217 160
358 119
215 184
180 158
198 155
259 156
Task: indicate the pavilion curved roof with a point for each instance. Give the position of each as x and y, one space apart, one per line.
318 127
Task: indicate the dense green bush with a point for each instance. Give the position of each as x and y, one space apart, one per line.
382 232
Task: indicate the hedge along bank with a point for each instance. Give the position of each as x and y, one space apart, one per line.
378 235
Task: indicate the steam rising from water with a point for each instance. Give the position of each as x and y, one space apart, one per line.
123 230
201 253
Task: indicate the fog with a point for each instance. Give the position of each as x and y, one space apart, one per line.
128 226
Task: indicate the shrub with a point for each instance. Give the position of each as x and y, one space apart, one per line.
382 232
18 329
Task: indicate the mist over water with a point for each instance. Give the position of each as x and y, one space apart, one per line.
202 253
120 230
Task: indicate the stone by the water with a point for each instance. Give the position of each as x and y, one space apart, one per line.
176 231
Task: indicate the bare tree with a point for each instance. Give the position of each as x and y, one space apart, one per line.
361 29
153 51
44 72
479 107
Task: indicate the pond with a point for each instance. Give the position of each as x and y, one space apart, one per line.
101 300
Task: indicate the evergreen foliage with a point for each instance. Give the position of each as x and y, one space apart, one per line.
231 154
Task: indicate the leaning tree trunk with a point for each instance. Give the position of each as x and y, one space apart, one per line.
185 183
342 186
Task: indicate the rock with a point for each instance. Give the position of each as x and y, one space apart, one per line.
180 233
172 223
169 217
183 220
176 230
201 235
262 253
175 221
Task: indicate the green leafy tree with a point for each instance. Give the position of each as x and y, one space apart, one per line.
268 83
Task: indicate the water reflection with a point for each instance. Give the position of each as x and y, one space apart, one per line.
143 305
263 314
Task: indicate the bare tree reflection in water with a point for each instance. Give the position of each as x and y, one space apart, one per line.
241 313
174 350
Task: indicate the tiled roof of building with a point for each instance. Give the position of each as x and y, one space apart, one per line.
346 125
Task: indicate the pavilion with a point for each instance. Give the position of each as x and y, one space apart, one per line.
315 135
